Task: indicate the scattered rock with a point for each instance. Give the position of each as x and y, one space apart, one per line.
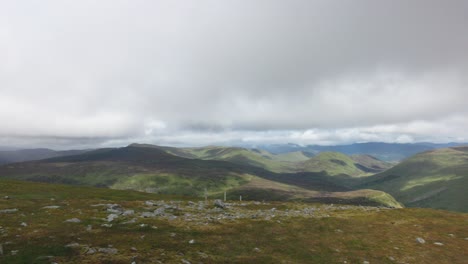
184 261
219 204
111 251
7 211
73 220
149 203
420 240
6 197
192 241
365 262
257 250
438 244
24 224
133 249
89 228
106 225
51 207
14 252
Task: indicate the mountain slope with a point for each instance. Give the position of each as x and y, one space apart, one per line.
153 170
335 163
286 162
435 179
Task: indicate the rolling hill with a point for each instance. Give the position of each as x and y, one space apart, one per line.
434 179
151 169
332 163
335 163
285 162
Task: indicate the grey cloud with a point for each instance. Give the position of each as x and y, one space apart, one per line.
182 71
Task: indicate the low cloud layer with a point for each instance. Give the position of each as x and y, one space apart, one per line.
87 73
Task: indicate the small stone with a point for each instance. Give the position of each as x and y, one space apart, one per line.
91 251
44 258
365 262
219 204
6 197
192 241
133 249
14 252
159 212
73 220
147 214
257 250
438 244
89 228
108 250
149 203
112 217
24 224
51 207
451 235
420 240
73 245
184 261
128 212
7 211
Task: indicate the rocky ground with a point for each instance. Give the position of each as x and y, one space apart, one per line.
108 226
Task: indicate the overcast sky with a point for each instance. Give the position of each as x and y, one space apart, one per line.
109 72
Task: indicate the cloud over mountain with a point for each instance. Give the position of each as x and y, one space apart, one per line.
178 72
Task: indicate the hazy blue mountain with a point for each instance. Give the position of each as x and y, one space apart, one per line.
12 156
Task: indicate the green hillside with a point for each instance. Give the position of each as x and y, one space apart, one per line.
435 179
49 223
151 169
253 157
334 163
370 164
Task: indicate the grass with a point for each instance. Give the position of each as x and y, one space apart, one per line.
353 234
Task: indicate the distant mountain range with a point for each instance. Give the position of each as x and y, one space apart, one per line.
384 151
